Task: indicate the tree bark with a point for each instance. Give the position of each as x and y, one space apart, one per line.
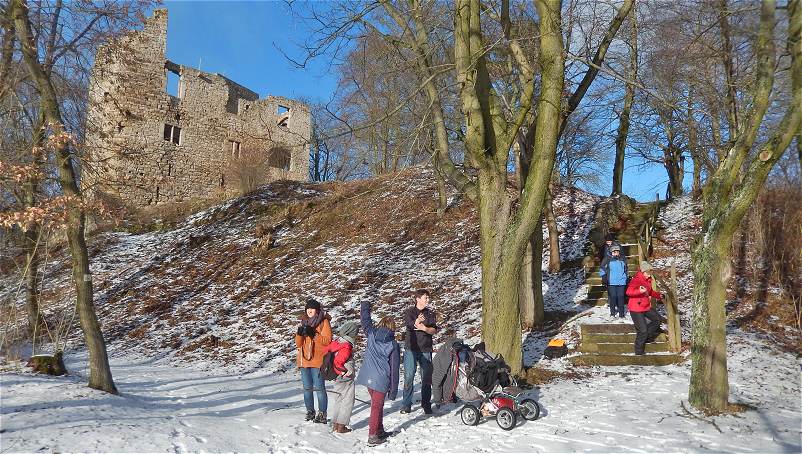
726 199
729 70
99 371
554 234
624 119
531 289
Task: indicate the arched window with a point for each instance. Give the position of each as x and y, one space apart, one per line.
279 158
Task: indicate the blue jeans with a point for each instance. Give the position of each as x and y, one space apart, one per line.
411 361
617 298
313 382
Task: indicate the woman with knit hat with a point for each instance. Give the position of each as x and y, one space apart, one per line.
312 338
344 386
646 319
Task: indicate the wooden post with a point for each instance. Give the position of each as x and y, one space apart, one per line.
674 332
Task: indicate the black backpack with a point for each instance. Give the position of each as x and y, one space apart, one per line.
327 369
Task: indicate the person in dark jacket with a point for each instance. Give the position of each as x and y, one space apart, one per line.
614 273
421 324
609 241
646 319
379 371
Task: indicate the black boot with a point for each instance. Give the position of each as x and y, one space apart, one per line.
310 415
321 417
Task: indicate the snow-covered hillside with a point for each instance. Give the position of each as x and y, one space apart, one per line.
212 293
199 322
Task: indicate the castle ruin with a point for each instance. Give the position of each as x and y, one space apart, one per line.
149 147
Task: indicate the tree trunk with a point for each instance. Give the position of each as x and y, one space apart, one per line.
554 234
624 119
709 385
501 323
531 287
727 196
99 371
31 239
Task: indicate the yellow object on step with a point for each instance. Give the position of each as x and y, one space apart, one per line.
556 343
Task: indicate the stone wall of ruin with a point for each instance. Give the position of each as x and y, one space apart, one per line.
129 107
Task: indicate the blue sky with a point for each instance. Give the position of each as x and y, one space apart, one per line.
241 40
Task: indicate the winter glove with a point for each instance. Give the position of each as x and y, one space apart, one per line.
301 331
309 331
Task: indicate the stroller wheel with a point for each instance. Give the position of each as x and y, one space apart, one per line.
505 418
470 415
529 409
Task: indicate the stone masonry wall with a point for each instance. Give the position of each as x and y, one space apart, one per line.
129 107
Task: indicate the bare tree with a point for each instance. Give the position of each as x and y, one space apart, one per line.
728 194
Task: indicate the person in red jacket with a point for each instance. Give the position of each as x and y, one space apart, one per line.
344 386
646 319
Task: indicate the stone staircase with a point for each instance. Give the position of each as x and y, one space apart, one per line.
613 345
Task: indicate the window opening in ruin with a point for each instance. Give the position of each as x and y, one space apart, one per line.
279 158
222 180
172 134
157 194
235 148
283 121
169 169
282 110
173 83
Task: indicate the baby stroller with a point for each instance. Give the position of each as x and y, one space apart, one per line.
484 382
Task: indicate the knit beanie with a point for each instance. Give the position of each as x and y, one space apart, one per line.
644 266
311 303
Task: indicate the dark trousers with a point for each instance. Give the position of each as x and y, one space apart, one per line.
376 421
411 361
616 298
646 326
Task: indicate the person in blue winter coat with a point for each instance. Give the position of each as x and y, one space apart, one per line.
379 371
614 273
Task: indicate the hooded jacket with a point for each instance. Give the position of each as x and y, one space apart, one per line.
442 371
641 302
343 349
379 370
312 350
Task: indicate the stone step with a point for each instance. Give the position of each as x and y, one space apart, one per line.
625 360
603 301
615 338
613 349
607 328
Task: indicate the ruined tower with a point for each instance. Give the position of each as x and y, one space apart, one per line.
148 147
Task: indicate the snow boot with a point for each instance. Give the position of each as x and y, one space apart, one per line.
405 410
310 415
375 440
341 428
321 417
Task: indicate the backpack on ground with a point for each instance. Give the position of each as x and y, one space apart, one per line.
327 370
555 349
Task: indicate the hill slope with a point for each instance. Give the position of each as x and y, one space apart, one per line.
226 286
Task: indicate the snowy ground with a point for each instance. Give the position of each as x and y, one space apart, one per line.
166 408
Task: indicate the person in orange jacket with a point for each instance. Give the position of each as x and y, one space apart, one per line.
312 338
646 319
